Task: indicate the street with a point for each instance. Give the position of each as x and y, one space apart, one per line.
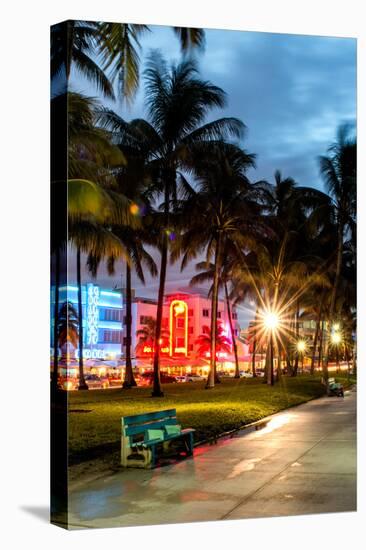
302 462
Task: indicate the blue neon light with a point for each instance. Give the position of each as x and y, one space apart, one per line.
113 325
107 293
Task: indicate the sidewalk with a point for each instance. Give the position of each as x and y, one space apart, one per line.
303 462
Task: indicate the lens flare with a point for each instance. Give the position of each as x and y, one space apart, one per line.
134 209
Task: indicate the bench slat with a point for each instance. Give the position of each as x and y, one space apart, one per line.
134 430
147 417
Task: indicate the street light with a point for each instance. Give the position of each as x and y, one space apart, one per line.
336 339
271 323
301 348
271 320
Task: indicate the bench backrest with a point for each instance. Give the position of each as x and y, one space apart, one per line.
331 380
135 426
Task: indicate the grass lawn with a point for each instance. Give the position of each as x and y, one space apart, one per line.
94 419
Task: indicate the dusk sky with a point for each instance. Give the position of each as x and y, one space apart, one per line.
291 91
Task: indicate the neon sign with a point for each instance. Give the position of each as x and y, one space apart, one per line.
92 313
178 331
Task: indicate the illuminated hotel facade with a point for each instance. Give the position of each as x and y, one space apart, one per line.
102 319
186 316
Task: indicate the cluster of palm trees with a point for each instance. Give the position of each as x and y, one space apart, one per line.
178 183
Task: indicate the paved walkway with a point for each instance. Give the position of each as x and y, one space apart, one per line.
303 462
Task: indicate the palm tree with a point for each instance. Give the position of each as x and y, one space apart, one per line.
208 275
119 46
222 341
338 170
73 44
220 214
91 154
146 335
68 325
177 102
80 44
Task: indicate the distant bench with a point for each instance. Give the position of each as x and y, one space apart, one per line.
147 436
335 388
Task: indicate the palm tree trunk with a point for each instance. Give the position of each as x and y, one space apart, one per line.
333 297
157 391
316 336
296 366
129 380
214 300
254 352
55 319
320 359
235 347
270 373
82 383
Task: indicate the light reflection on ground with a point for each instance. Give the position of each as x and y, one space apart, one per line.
275 423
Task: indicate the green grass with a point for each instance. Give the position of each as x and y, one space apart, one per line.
229 405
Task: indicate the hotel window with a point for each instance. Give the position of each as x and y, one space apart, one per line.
190 347
190 313
180 343
112 315
234 315
144 319
205 330
219 314
190 330
180 323
112 336
205 312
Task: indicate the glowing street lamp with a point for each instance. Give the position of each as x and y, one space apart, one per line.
336 339
271 320
271 323
301 348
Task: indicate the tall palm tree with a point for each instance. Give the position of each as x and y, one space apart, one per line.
219 214
177 102
338 170
91 154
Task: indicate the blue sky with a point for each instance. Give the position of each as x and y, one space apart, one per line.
291 91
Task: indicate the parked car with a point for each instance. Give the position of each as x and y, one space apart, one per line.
194 377
68 384
93 381
259 373
147 378
181 378
245 374
114 380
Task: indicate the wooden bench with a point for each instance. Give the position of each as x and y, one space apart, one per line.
147 436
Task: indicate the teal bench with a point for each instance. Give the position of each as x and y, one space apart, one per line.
147 436
335 388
